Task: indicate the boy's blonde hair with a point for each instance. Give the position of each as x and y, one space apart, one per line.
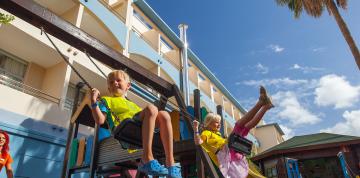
124 75
210 117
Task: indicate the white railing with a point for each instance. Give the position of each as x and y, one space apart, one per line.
7 81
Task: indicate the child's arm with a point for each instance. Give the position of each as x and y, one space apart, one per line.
99 116
9 171
197 138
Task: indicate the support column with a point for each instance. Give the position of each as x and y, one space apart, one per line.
128 24
212 93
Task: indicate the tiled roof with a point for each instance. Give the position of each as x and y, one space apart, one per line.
306 141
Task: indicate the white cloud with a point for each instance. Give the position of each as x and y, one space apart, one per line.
351 125
261 68
276 48
305 69
336 90
276 82
290 109
320 49
289 133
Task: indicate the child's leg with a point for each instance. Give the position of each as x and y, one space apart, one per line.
148 116
163 121
250 114
253 122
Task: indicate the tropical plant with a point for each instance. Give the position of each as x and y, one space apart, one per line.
4 18
315 8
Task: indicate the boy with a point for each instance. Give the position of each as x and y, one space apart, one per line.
118 84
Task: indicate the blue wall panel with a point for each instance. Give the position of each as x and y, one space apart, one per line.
37 148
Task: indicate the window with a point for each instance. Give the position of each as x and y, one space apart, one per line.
70 97
271 172
202 78
12 66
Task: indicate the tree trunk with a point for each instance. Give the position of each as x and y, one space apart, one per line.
345 31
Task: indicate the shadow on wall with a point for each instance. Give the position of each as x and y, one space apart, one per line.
36 146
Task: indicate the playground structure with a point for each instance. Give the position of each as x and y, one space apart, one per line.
40 17
44 19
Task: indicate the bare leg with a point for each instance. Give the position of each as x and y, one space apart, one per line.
163 121
249 115
148 117
253 122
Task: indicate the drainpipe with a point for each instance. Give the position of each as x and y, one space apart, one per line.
184 61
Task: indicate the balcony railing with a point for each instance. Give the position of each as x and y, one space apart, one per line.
7 81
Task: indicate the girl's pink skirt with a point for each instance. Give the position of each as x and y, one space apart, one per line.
233 164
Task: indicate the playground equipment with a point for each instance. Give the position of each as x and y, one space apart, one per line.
107 155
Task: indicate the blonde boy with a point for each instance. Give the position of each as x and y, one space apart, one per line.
118 83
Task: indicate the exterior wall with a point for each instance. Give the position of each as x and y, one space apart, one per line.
268 137
53 83
34 76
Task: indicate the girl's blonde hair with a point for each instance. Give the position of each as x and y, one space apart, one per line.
124 75
210 117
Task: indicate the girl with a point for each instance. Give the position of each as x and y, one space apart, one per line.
230 163
5 158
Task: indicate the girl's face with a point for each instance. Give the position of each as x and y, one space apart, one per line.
2 139
214 125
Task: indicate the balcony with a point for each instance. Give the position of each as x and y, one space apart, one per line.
9 82
19 98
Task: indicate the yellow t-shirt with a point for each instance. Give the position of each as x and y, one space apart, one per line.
212 142
121 107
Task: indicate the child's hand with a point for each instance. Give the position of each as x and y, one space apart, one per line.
94 95
195 125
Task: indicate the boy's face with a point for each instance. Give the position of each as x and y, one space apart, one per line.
117 84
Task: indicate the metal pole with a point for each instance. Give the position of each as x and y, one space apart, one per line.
219 110
184 60
197 114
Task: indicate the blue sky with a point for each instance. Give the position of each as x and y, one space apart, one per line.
305 63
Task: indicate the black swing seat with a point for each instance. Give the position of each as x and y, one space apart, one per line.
128 132
239 144
110 152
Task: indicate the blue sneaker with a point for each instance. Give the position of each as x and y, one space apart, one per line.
153 168
174 171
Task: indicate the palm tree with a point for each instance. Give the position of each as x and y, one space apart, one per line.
316 7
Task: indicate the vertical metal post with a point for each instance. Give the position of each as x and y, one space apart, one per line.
71 134
93 159
197 114
343 164
219 110
184 61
